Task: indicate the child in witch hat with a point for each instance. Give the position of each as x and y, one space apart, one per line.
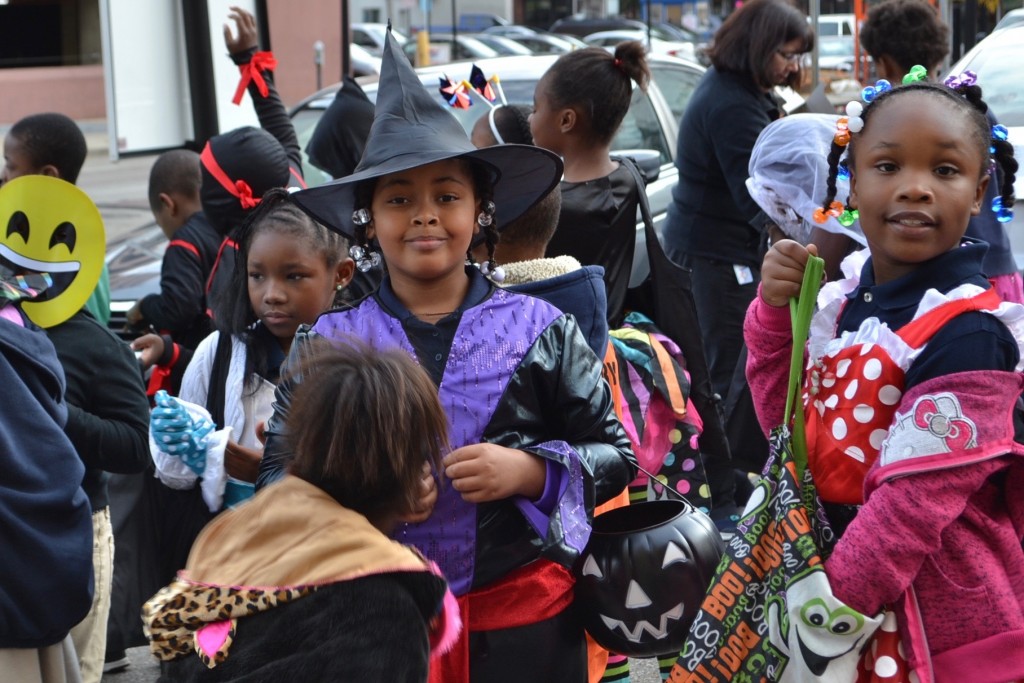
536 442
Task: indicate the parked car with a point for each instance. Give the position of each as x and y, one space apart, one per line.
996 60
1011 18
836 53
550 44
444 47
539 42
370 37
609 39
835 24
681 34
364 63
133 261
480 21
648 134
503 45
511 30
581 25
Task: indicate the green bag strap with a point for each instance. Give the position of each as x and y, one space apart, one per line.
801 309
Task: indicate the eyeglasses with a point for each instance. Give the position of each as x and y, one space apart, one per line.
791 57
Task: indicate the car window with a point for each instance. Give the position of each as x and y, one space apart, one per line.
304 121
676 85
641 128
363 39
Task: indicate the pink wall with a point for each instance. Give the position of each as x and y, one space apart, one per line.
73 90
294 27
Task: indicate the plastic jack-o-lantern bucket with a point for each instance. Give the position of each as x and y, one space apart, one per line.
642 577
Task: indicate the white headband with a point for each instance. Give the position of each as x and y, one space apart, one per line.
494 128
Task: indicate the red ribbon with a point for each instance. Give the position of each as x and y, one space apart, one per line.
236 188
253 72
530 594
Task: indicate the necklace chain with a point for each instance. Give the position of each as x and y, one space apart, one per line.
432 315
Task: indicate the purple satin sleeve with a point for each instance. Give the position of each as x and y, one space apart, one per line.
562 496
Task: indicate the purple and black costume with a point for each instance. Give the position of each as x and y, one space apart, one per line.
516 372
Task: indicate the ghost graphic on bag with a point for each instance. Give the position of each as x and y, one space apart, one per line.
819 633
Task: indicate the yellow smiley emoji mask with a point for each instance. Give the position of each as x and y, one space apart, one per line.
50 226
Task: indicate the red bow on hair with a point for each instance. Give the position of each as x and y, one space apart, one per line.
245 195
260 62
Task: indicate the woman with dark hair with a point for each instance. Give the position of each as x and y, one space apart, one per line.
709 228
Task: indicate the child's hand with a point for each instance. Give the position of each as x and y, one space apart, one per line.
178 433
428 497
148 349
134 315
782 272
485 472
242 463
261 432
247 38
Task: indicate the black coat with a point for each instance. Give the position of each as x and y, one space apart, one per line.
179 309
711 211
108 412
373 628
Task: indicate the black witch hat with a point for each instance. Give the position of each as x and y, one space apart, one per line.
411 129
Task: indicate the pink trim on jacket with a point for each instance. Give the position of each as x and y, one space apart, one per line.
943 524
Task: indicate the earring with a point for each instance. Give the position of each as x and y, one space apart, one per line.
361 217
338 287
486 217
364 257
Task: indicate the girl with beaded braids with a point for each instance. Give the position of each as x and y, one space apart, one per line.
914 374
535 440
578 106
905 35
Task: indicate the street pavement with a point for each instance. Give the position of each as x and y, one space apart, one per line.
144 669
119 190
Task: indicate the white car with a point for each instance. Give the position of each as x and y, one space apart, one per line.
997 61
370 37
445 47
363 62
1011 18
655 45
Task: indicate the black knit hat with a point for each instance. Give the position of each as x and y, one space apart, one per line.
412 129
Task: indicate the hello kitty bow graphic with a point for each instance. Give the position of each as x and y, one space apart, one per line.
936 424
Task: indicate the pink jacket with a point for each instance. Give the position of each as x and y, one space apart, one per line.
952 559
